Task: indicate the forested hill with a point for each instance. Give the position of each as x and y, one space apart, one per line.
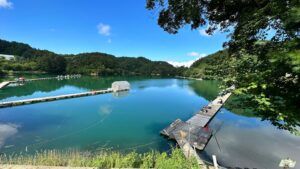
22 50
207 67
32 59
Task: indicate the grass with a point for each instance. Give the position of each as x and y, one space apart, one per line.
74 158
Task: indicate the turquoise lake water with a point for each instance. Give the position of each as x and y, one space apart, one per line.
132 121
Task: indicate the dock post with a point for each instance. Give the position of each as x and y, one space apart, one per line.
214 157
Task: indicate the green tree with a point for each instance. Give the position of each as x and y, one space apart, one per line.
52 64
263 59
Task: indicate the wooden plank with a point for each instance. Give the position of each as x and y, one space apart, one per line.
208 112
187 149
168 131
199 120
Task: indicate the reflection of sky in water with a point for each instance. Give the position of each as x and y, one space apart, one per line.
120 120
7 131
135 118
249 142
60 91
157 83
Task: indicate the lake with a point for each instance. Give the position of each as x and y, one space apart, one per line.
132 121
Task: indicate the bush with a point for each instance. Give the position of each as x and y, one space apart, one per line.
74 158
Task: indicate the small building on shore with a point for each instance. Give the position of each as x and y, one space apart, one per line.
120 86
7 57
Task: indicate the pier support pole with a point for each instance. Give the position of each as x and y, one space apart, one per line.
214 157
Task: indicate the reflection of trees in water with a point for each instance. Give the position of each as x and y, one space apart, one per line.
88 83
208 89
30 87
233 104
240 106
288 119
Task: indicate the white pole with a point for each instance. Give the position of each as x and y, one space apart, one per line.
189 140
214 157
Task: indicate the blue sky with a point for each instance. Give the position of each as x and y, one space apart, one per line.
121 28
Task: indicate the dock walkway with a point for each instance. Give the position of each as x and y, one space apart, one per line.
53 98
202 118
3 84
6 83
190 78
117 87
194 134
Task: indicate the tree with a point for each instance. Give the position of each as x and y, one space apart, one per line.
52 64
263 50
251 20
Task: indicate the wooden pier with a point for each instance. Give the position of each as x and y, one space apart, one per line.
6 83
189 78
52 98
3 84
194 133
119 86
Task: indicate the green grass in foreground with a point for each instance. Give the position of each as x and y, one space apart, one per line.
74 158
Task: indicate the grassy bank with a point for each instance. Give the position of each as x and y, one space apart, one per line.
74 158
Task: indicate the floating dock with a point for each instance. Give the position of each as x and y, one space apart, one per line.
52 98
189 78
3 84
119 86
194 133
6 83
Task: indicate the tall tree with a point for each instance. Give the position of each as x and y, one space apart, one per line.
250 20
263 48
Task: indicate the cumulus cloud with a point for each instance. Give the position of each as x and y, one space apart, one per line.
5 4
189 62
104 29
184 64
196 54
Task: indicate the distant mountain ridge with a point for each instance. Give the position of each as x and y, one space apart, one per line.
29 58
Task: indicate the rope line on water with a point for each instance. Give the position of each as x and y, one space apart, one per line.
60 137
158 140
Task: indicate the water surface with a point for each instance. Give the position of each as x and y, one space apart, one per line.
132 121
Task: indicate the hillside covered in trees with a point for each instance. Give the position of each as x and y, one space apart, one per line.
31 59
207 67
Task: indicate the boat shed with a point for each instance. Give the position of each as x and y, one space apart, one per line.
120 86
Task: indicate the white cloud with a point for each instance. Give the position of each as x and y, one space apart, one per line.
190 62
104 29
184 64
203 33
109 41
196 54
5 4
